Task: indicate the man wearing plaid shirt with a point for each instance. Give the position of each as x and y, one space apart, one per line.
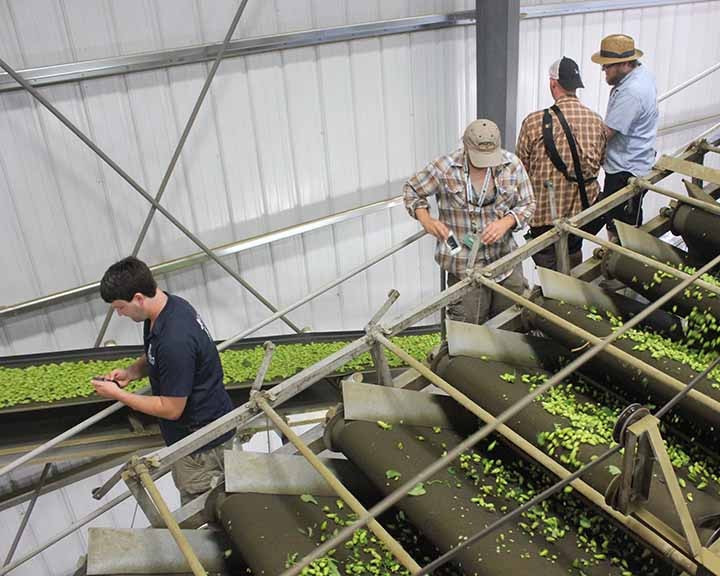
483 193
588 131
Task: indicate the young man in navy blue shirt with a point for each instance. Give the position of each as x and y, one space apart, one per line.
183 365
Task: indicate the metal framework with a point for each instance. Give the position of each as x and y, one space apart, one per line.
140 473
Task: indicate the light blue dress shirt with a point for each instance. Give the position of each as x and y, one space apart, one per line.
632 112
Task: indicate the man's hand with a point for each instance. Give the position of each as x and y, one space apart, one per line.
106 389
121 376
431 225
496 230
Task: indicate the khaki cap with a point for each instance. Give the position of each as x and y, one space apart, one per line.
482 143
616 48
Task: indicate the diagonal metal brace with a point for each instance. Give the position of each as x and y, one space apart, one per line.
260 376
392 296
382 368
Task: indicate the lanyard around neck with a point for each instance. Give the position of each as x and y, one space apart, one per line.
468 187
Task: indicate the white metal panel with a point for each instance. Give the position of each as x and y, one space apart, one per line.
281 138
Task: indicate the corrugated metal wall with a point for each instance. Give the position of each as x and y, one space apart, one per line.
283 138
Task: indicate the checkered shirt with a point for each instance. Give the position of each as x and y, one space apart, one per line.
589 131
444 178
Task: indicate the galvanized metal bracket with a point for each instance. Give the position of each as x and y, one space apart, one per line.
374 327
638 431
264 366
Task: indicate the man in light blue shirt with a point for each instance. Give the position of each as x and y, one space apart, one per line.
631 124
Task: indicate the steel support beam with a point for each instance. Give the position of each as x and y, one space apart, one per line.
26 516
101 68
498 37
197 258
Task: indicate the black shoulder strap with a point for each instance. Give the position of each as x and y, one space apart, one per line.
549 142
575 156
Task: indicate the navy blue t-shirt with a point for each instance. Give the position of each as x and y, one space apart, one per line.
183 361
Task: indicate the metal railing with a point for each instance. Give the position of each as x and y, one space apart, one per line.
222 251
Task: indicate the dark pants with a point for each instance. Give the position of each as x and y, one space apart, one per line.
629 212
546 258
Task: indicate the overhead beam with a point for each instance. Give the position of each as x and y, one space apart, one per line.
498 37
101 68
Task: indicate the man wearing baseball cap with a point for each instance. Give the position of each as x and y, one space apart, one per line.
562 149
483 193
631 124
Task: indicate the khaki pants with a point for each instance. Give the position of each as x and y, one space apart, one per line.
197 473
481 303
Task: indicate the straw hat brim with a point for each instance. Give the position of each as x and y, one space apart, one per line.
598 59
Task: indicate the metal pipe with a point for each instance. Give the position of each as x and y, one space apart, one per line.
100 68
502 418
85 424
712 208
688 82
696 139
409 240
125 176
26 516
638 257
200 257
66 532
711 148
170 521
543 459
680 124
178 149
393 545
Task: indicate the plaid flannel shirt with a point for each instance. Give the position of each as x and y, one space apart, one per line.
445 178
589 131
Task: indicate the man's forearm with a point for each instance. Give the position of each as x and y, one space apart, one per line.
422 215
158 406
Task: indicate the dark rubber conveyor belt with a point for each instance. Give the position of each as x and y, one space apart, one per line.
699 229
269 532
643 278
482 381
606 369
446 512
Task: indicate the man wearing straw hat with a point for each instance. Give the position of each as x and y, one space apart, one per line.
631 124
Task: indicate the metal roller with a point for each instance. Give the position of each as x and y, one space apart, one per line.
699 229
583 294
277 514
648 281
481 380
608 370
445 513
